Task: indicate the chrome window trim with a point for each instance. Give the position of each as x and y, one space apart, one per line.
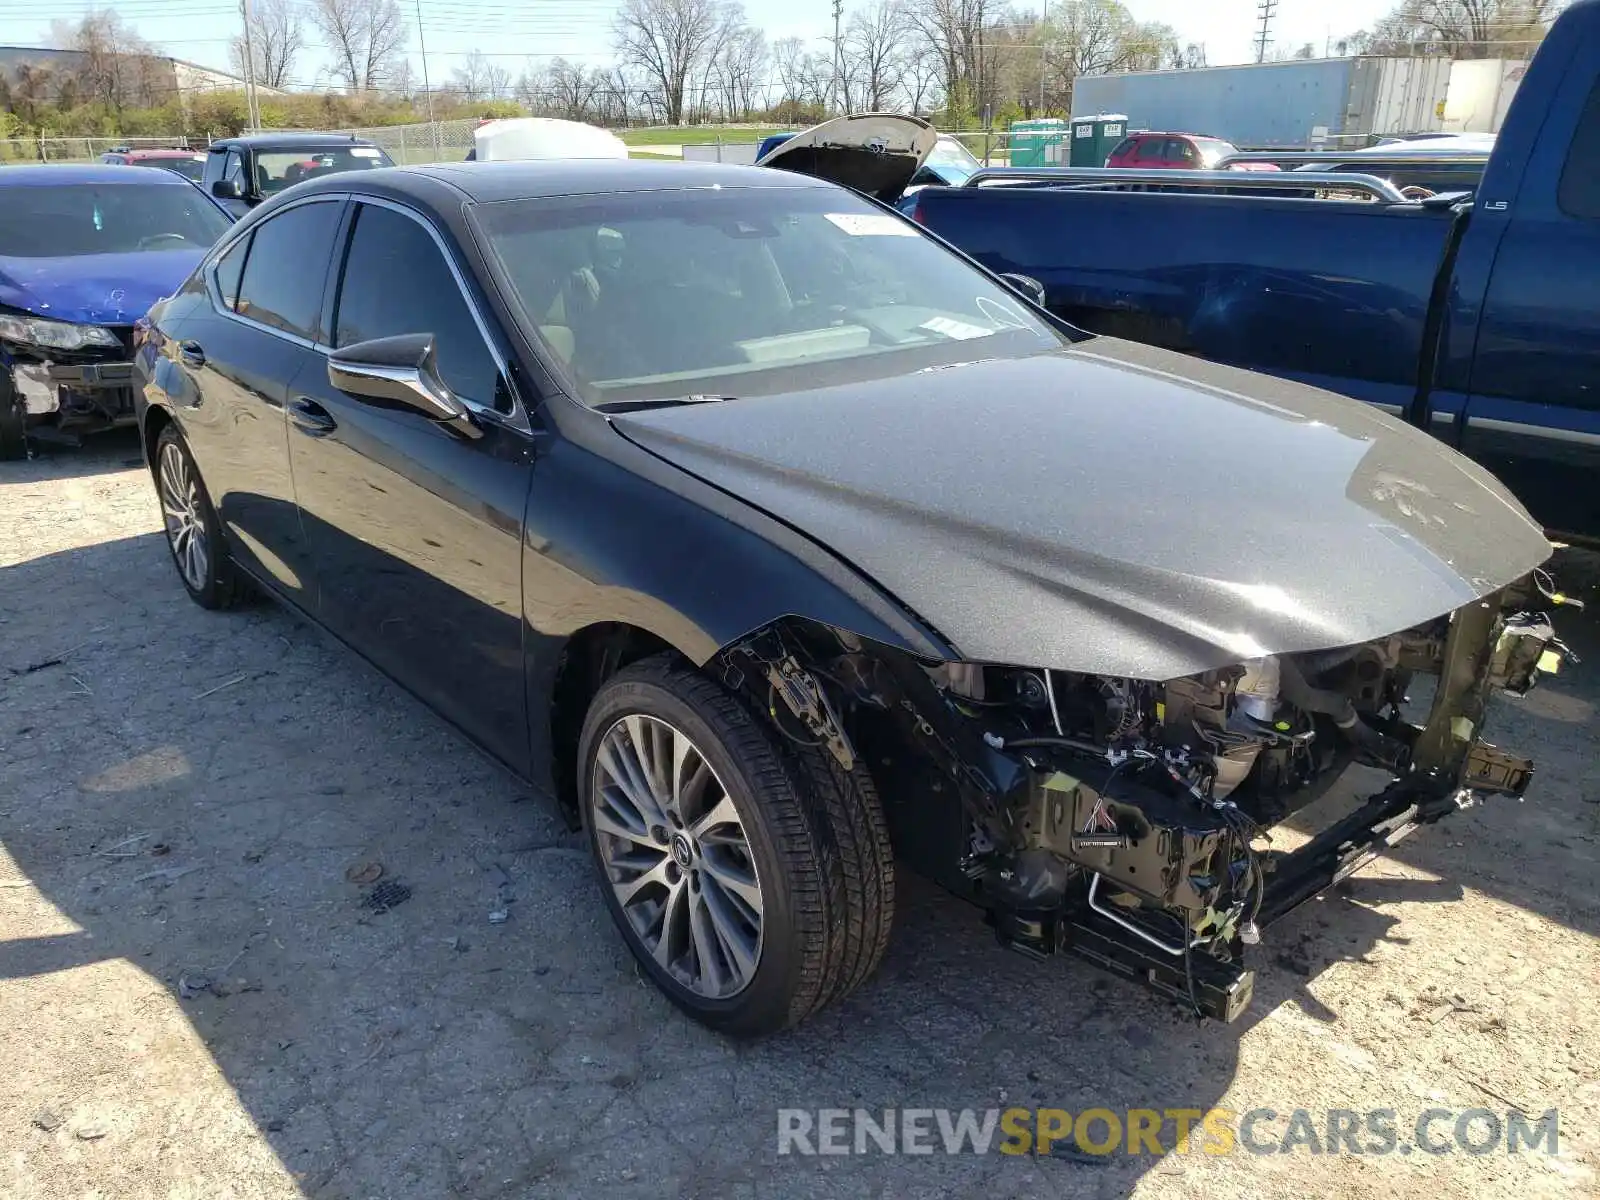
215 294
517 418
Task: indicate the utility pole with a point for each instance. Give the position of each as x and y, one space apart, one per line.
427 89
1267 9
1044 64
838 53
252 103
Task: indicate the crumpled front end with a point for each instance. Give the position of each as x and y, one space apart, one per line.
1127 821
60 381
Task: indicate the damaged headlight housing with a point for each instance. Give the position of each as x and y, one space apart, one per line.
53 335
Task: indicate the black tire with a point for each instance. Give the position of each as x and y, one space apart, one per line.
817 837
222 585
13 422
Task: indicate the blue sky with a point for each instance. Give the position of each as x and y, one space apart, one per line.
516 30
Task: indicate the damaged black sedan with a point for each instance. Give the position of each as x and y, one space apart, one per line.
786 546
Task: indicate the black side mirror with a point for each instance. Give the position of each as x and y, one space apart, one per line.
226 189
401 372
1027 285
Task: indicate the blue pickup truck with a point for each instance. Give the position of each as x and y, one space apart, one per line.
1480 320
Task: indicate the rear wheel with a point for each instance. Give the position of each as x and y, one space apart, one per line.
194 535
752 886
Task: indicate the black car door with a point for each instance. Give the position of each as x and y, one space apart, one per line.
1533 417
416 528
240 352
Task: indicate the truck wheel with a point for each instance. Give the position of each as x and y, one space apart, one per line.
13 422
753 886
194 535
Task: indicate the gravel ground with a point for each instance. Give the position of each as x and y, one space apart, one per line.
198 1003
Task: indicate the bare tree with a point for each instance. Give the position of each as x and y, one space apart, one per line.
1459 28
277 35
561 89
874 43
921 83
366 38
667 41
472 77
953 30
116 67
1092 37
739 68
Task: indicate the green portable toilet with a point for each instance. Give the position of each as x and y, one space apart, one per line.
1037 143
1094 138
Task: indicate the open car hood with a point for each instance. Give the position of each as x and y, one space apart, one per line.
1117 509
875 153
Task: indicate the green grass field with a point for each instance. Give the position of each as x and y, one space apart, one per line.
694 135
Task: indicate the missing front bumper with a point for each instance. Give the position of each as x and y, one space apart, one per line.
81 397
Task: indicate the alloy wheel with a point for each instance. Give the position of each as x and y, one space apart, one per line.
182 511
676 856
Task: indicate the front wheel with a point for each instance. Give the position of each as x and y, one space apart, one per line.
194 534
752 885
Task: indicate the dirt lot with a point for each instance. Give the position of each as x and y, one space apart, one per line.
196 1003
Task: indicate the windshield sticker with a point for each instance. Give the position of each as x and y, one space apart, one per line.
364 151
957 330
871 224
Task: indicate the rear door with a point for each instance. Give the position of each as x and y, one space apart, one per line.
415 529
1533 413
239 353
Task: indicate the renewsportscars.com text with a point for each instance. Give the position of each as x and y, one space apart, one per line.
1217 1131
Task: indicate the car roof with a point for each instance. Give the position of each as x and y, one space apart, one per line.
487 182
160 153
290 140
59 174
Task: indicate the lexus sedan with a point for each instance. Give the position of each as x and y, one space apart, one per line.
784 545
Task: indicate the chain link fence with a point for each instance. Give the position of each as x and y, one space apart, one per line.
440 141
80 149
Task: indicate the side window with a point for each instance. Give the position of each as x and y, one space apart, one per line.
1579 195
1179 151
1124 147
228 270
234 170
287 266
1149 150
396 281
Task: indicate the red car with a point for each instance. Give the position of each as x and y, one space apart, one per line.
1176 151
185 162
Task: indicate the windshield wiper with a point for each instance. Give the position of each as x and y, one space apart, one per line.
666 402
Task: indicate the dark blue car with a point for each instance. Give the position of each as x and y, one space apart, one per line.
84 252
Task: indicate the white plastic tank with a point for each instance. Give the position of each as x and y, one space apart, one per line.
543 137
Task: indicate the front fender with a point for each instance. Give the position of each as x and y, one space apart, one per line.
628 539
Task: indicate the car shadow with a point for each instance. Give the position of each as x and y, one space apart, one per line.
100 454
396 956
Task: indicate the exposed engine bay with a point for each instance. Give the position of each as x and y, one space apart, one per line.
1128 821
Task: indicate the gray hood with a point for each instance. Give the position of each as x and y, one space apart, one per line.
1115 508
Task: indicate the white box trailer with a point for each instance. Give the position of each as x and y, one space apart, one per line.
1480 94
1278 105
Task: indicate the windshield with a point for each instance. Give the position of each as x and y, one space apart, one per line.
189 168
662 295
278 169
948 152
75 219
1214 150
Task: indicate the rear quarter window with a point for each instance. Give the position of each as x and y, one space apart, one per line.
1124 147
1579 193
